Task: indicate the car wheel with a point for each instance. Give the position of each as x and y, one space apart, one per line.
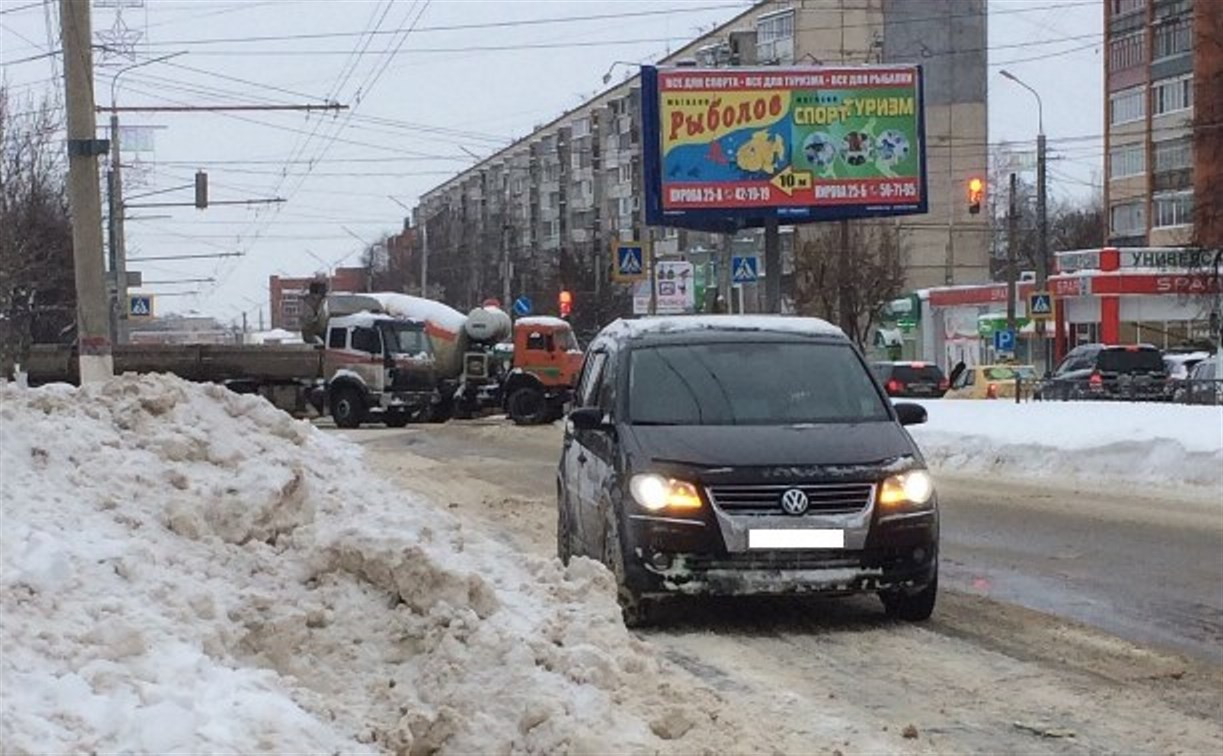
527 406
347 408
564 527
911 607
634 608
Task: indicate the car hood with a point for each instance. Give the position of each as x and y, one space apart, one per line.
816 445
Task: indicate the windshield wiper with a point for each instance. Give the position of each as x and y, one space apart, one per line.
655 422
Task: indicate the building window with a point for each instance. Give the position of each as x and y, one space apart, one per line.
1126 160
628 205
1171 95
1127 51
1173 209
1127 218
1173 37
554 228
1125 7
626 174
552 172
1126 106
579 128
775 37
1173 155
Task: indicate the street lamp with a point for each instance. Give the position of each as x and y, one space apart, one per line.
607 76
1042 220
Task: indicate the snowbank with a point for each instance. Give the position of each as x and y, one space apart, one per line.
1149 443
187 569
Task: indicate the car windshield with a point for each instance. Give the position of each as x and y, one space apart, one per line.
917 373
770 383
1131 360
1008 372
565 340
402 338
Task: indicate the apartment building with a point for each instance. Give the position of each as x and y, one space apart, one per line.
1164 89
541 214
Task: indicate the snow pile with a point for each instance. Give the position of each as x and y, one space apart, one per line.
1138 442
431 311
187 569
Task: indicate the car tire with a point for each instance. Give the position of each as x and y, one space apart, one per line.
635 610
564 527
527 406
347 408
911 607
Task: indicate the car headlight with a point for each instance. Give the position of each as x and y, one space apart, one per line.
654 492
914 487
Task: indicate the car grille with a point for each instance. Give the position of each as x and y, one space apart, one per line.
787 560
822 498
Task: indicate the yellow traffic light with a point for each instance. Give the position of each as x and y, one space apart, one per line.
976 191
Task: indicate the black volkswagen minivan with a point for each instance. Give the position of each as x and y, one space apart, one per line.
736 455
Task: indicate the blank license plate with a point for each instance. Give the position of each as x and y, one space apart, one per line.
796 539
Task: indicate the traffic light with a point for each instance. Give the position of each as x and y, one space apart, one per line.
201 190
565 302
976 191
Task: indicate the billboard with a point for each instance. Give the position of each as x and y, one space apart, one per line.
727 148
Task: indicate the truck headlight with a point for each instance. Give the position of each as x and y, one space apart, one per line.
914 487
654 492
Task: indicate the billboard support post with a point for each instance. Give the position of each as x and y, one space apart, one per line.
772 266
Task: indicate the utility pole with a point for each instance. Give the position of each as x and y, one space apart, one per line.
1011 272
772 266
92 312
724 272
118 239
1042 251
424 258
845 291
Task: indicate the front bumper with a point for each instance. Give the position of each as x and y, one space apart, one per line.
690 557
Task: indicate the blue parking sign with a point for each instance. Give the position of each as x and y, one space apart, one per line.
1004 340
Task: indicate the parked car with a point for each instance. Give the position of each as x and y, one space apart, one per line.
991 381
1133 372
918 380
1203 386
730 455
1180 365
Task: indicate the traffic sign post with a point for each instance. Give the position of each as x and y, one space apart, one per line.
1040 305
629 262
744 270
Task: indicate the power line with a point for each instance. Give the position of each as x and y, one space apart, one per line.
27 6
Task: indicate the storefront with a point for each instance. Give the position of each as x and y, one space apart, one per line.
1159 296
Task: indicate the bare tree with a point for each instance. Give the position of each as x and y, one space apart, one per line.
849 293
37 288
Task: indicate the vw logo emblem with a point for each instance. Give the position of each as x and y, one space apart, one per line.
794 501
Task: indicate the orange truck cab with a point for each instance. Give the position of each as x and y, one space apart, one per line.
546 364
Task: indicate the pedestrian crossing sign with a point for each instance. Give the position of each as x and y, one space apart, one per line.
629 261
140 306
1040 305
744 270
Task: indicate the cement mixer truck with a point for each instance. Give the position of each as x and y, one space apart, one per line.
482 360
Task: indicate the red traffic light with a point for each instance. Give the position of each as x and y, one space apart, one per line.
565 300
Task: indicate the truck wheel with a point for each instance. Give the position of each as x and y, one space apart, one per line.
637 611
527 406
440 412
911 607
347 408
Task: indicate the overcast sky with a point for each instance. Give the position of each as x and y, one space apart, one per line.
421 103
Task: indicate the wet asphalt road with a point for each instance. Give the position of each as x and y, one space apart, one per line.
1146 566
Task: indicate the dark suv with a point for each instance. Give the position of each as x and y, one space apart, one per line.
730 455
919 380
1134 372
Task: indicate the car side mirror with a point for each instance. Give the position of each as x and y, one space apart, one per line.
588 418
910 414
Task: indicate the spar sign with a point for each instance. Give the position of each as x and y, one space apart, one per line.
731 147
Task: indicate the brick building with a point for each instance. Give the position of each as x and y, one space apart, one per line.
284 294
1164 105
